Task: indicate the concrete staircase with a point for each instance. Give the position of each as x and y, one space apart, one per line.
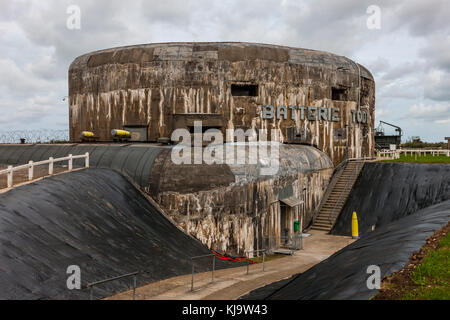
337 197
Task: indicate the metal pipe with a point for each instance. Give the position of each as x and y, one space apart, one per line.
264 255
134 287
192 280
248 262
111 279
203 256
214 266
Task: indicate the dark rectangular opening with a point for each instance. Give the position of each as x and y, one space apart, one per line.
244 90
339 94
204 128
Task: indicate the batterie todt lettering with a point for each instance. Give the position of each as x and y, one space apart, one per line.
193 310
310 113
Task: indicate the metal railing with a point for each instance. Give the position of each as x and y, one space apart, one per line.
257 251
332 216
333 180
247 254
51 161
392 154
395 154
292 241
91 285
212 271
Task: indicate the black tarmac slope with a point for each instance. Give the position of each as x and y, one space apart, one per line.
344 274
386 192
91 218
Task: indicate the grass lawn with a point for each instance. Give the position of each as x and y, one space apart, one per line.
432 276
421 159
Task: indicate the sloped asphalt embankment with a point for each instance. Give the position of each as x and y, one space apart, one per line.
92 218
406 203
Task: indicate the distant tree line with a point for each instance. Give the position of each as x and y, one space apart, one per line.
417 143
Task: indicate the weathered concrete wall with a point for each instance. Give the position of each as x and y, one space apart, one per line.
167 86
231 208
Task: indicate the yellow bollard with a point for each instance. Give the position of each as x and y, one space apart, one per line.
355 233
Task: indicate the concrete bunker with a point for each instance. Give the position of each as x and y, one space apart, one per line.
322 112
158 88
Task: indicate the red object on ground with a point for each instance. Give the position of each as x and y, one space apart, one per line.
228 258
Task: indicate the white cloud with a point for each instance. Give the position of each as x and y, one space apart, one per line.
437 85
37 48
438 113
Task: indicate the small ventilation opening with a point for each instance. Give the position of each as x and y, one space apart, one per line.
244 90
204 129
339 94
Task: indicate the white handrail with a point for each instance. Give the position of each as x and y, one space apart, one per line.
395 154
30 166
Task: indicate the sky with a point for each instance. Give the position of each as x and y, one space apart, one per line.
404 43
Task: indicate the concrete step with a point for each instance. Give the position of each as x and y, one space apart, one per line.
332 208
342 191
323 217
284 251
339 192
336 199
325 222
330 211
337 196
332 205
314 227
323 225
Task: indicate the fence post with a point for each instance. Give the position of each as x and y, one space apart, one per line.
248 262
192 280
30 171
264 255
134 287
70 162
86 163
50 166
91 294
214 266
10 176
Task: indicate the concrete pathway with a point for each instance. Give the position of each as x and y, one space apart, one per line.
230 284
